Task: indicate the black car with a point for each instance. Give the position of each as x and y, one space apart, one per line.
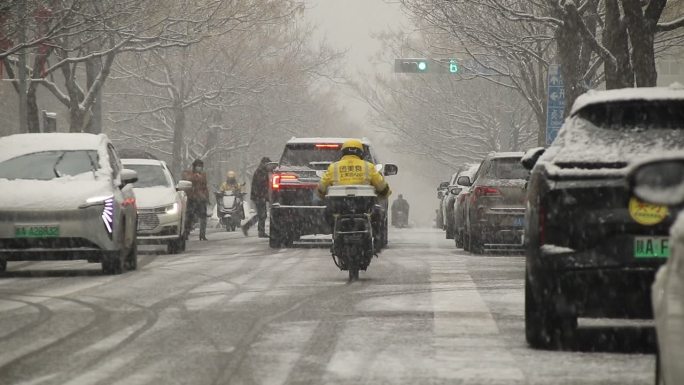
296 209
592 249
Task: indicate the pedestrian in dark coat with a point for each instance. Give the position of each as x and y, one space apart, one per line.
259 195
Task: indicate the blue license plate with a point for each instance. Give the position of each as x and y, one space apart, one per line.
519 221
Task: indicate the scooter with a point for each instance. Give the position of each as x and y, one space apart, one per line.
399 219
229 209
352 207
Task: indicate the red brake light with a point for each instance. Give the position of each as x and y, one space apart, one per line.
334 146
483 191
278 178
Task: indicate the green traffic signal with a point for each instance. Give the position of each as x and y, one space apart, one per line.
453 67
422 66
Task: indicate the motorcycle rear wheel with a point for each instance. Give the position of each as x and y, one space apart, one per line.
353 274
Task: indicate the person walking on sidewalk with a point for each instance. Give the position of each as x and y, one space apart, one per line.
259 195
198 197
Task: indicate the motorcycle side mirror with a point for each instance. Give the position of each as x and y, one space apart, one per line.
658 181
390 169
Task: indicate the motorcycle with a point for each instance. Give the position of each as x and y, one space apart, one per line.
353 243
229 209
399 219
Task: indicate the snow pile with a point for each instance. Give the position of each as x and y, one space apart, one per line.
554 250
643 93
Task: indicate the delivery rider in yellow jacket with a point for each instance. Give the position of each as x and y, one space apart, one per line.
352 169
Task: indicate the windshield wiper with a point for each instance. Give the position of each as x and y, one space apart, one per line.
93 166
54 168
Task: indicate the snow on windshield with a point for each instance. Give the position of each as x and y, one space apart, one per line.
49 165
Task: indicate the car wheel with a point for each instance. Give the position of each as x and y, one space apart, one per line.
450 230
476 245
458 239
544 327
659 380
3 265
132 258
174 246
113 263
276 239
466 240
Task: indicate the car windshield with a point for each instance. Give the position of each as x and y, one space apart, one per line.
636 114
149 175
313 155
507 168
49 165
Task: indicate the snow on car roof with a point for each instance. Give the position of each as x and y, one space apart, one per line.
21 144
675 91
153 162
498 155
323 140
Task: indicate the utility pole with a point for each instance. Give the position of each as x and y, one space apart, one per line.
23 103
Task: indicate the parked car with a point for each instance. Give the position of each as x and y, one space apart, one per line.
66 197
450 200
439 217
464 179
443 202
296 209
585 233
161 204
495 210
660 181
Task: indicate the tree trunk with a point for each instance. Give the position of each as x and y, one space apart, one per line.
569 43
178 138
33 114
615 39
641 28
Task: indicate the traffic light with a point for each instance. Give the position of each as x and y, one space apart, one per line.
411 65
424 66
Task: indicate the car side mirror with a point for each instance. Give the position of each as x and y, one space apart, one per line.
455 190
128 176
184 185
660 181
270 166
440 195
531 157
390 169
443 186
464 181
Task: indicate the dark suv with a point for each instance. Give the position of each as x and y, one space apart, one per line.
592 249
495 211
296 209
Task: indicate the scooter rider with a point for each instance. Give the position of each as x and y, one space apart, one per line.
352 169
231 183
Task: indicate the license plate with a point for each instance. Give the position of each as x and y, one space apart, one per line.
519 221
651 247
41 231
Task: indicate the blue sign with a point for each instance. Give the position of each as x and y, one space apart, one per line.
555 103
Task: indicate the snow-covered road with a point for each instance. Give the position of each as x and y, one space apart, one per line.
231 311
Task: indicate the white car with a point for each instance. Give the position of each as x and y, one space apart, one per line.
660 181
162 204
66 197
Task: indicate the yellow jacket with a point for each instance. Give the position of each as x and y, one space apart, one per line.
351 170
235 188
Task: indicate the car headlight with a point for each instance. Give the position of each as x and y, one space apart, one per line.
172 209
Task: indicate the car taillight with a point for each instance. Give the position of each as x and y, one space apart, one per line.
480 191
280 178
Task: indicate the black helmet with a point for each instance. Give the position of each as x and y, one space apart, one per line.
198 162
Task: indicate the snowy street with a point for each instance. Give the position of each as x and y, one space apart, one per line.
231 310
